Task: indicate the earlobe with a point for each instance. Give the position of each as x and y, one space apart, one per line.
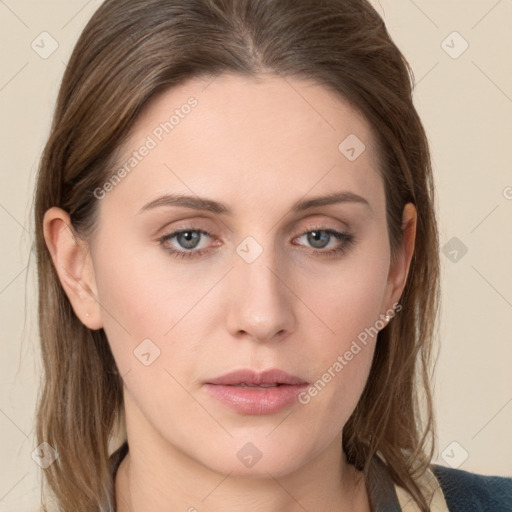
73 264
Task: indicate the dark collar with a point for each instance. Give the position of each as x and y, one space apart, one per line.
381 488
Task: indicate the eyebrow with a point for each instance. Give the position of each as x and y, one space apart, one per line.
209 205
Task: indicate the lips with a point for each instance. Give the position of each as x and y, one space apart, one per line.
250 392
266 378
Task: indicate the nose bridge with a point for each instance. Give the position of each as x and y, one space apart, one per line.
260 303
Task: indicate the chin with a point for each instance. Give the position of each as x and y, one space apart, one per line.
256 458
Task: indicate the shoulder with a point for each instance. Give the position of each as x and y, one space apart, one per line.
471 492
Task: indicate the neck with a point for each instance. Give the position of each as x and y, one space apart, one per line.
158 484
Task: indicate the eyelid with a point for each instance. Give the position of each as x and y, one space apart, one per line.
345 238
191 226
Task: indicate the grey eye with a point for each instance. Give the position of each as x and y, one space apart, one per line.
317 239
188 239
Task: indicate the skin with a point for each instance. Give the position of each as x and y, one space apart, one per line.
257 146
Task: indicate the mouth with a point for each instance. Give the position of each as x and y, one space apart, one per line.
250 378
250 392
262 386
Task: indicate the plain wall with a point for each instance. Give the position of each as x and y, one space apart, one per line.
465 102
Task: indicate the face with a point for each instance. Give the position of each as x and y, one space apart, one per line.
252 276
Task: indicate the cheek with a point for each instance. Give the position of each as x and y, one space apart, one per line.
145 297
131 305
342 360
347 300
344 351
349 304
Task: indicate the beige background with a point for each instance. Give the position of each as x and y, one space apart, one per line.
466 106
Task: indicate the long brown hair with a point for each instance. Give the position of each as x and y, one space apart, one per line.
130 51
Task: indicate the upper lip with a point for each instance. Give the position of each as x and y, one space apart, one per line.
257 378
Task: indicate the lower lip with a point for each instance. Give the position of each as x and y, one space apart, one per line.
249 400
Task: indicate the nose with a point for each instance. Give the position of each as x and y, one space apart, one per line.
260 298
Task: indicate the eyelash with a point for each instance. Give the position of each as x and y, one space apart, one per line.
348 242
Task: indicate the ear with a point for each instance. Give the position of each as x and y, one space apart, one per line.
399 267
72 261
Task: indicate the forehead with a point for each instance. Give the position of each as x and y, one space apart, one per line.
235 137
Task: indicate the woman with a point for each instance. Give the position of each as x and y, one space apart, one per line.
238 266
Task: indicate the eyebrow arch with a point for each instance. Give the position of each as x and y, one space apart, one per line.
200 203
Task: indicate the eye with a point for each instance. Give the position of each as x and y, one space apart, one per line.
188 239
320 238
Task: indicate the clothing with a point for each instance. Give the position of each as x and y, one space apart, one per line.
450 490
470 492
